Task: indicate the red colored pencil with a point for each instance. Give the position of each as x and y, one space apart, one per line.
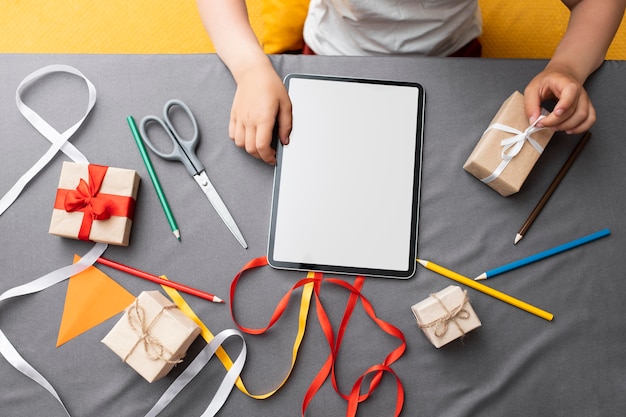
159 280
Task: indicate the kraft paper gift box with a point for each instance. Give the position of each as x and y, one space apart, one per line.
152 336
446 315
95 203
488 160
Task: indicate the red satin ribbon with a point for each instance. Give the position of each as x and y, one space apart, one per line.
354 397
94 205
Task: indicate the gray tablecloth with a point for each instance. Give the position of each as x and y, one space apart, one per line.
516 364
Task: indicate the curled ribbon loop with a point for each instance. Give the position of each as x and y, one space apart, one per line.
59 141
316 279
442 323
200 361
512 146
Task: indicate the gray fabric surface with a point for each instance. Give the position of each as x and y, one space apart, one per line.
516 364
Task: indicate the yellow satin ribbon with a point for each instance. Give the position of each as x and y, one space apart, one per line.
305 302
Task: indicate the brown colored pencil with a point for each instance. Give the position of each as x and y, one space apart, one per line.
555 183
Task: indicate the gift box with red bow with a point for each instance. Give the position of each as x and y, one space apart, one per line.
508 149
95 203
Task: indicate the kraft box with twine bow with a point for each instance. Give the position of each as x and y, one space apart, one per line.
152 336
446 315
95 203
509 148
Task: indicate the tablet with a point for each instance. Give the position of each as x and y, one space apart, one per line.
346 187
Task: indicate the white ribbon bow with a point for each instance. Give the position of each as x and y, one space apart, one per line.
513 145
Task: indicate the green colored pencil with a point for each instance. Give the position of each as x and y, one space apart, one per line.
153 176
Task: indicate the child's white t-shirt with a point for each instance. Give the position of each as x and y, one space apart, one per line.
398 27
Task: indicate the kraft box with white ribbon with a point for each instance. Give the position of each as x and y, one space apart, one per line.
509 148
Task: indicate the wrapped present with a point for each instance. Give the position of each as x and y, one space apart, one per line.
95 202
446 315
152 336
508 149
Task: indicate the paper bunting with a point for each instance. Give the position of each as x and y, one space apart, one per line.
92 297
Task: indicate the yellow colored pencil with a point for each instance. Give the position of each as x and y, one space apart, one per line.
487 290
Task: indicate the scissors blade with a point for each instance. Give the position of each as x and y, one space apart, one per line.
207 188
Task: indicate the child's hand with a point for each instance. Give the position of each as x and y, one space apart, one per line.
573 111
260 101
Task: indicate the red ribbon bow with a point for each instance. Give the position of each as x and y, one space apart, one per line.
87 198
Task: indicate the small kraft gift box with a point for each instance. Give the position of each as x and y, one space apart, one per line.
95 202
152 336
509 148
446 315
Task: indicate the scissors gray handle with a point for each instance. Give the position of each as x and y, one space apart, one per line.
182 150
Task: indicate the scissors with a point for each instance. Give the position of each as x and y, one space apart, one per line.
184 151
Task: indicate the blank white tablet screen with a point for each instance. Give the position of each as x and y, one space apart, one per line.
346 183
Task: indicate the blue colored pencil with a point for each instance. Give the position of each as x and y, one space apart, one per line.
542 255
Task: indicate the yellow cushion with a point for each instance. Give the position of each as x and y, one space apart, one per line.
511 28
531 29
283 21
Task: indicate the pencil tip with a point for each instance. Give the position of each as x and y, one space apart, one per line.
216 299
423 263
481 277
518 237
177 234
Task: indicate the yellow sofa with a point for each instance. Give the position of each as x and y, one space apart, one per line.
512 28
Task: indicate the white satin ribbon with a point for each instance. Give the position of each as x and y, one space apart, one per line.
6 348
59 140
196 366
513 145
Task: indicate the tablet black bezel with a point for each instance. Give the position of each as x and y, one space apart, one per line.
386 273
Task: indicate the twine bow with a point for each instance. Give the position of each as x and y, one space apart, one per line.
442 323
152 346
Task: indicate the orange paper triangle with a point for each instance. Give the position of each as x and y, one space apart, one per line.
92 297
